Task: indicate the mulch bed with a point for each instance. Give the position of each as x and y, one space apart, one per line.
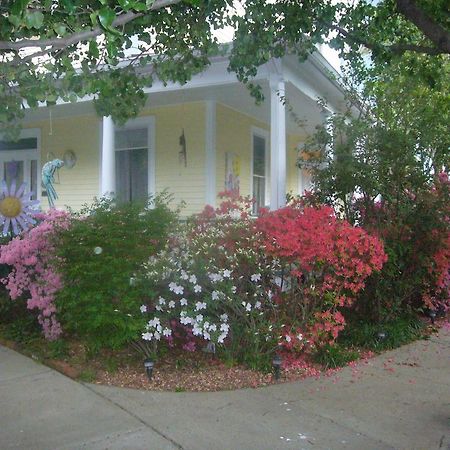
177 371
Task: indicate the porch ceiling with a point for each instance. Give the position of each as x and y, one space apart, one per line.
234 95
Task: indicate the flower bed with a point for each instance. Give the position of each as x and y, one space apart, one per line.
224 293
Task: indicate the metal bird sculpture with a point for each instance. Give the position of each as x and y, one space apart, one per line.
48 178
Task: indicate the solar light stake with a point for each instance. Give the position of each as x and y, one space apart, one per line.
149 364
432 315
382 335
276 363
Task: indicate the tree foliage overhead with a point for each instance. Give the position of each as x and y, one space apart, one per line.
52 49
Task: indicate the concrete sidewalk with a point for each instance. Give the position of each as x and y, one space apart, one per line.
400 400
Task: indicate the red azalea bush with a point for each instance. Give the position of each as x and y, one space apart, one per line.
416 235
325 262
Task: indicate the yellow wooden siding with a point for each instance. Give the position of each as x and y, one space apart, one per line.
233 134
185 183
80 134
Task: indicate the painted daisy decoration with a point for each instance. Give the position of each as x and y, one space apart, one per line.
16 208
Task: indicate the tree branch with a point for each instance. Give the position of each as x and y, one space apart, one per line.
58 43
394 48
430 28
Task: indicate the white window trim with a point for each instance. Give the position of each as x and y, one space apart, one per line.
149 123
28 155
260 132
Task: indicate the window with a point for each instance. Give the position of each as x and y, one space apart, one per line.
132 164
259 171
20 160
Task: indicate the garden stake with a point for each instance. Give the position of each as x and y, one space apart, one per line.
149 364
276 363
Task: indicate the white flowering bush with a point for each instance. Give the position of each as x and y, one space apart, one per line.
213 285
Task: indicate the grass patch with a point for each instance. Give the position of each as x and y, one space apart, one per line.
87 375
333 356
365 335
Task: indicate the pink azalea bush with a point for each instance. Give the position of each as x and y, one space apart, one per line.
31 256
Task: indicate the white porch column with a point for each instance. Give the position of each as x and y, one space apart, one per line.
277 144
108 162
210 161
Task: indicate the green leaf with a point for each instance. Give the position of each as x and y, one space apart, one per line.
34 19
106 17
139 6
60 29
93 16
18 7
126 4
15 20
68 6
93 49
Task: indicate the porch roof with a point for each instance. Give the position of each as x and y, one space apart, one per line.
305 83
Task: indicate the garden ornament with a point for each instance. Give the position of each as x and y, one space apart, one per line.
183 152
48 178
16 208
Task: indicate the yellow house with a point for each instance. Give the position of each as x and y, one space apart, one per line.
194 140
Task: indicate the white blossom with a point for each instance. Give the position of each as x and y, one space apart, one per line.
227 273
235 214
161 301
184 275
255 277
300 337
179 290
224 317
157 336
167 332
171 304
183 302
197 288
258 305
154 322
147 336
200 305
199 318
215 295
143 309
215 277
185 320
233 289
288 338
193 279
224 327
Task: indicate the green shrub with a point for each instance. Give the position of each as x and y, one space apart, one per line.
97 258
333 356
397 332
